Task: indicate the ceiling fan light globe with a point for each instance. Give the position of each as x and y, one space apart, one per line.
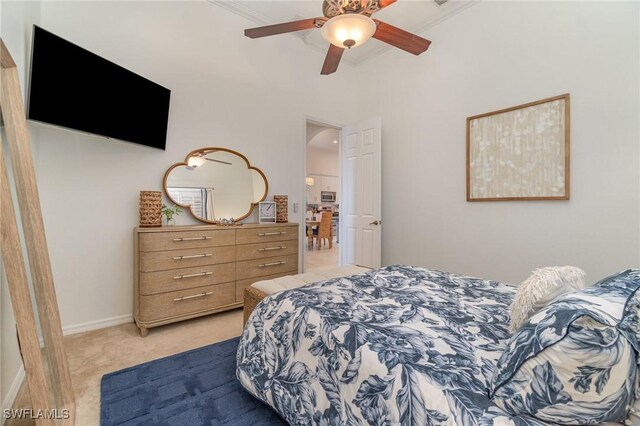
349 30
195 162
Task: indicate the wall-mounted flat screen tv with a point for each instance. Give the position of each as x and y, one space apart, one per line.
74 88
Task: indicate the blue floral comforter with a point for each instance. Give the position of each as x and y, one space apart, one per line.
395 346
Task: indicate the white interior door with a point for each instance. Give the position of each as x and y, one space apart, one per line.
360 207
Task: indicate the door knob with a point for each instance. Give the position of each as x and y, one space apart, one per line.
376 222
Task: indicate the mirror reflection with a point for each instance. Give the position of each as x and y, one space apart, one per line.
215 184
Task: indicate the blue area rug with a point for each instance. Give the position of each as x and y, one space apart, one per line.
193 388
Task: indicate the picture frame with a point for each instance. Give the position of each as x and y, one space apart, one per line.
521 153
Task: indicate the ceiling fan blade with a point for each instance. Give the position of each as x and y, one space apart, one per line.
332 60
219 161
287 27
400 38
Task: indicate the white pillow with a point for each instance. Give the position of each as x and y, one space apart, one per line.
543 286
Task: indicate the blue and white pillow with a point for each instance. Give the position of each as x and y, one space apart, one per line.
575 361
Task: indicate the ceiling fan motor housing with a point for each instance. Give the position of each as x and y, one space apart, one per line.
331 8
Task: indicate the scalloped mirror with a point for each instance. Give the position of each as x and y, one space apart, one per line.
215 184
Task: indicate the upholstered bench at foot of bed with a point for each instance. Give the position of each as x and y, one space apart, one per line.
261 289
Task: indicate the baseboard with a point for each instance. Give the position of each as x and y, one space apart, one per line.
12 393
93 325
97 324
66 331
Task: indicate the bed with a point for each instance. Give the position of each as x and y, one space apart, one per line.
398 345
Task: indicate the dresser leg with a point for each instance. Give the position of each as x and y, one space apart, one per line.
144 332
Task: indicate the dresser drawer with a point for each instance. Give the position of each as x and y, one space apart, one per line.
265 250
266 234
159 241
186 302
242 284
185 278
174 259
263 267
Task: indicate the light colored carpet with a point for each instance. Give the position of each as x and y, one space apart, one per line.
95 353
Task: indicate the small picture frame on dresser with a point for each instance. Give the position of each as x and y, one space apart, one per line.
267 212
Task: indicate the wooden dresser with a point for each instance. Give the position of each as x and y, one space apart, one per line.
183 272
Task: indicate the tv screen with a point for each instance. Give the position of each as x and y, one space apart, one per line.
74 88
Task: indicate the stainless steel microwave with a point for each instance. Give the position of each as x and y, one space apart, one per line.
327 196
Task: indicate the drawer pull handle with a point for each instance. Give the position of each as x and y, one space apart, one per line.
192 239
265 234
178 299
282 262
201 274
193 256
272 248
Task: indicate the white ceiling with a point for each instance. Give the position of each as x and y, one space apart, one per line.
411 15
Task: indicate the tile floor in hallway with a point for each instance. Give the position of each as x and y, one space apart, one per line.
322 258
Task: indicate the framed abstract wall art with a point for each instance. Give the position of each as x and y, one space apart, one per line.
520 153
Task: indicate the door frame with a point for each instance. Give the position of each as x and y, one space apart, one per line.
303 235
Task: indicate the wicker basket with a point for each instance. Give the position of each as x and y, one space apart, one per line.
150 209
252 296
282 208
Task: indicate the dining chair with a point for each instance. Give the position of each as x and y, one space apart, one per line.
323 231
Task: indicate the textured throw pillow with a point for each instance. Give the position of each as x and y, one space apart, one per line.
575 361
541 288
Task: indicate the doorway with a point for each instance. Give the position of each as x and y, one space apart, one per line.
323 195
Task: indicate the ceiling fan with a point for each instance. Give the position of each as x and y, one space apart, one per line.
199 158
347 24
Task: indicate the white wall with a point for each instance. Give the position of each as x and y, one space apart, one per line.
252 96
495 55
15 29
227 90
322 162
